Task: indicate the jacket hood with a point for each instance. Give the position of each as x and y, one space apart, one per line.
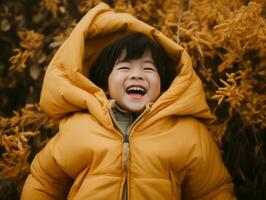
67 89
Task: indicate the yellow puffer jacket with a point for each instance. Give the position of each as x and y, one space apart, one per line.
171 154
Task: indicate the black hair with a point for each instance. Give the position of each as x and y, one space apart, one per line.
135 46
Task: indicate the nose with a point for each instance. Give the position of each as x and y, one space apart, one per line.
136 74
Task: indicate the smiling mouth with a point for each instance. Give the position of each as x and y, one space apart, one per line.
136 90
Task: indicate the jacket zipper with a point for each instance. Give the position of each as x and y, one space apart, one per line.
125 165
125 159
126 150
127 134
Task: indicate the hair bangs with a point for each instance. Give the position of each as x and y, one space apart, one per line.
135 47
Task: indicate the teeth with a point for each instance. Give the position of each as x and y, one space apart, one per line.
136 89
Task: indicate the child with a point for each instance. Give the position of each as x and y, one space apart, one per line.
134 129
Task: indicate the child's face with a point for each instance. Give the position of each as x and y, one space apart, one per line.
134 83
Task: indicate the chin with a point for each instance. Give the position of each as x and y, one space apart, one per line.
136 110
133 108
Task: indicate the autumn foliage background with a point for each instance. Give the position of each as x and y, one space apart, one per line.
227 42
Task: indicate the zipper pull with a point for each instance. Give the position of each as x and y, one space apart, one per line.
125 152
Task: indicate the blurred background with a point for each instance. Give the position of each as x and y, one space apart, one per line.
225 38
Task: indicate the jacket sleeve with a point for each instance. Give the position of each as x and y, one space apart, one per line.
206 175
47 180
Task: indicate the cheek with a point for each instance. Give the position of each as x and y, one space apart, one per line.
155 86
115 85
156 83
110 85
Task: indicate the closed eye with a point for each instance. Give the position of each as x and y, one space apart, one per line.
123 68
150 69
